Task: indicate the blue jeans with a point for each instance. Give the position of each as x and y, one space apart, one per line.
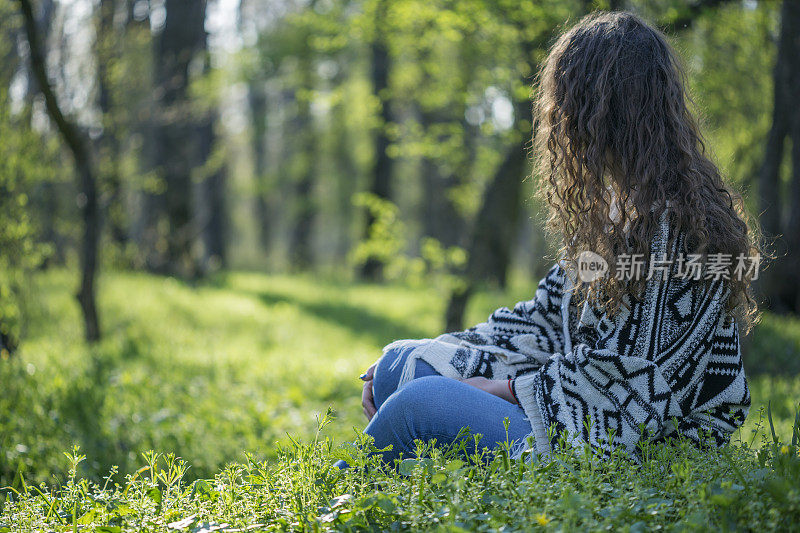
433 406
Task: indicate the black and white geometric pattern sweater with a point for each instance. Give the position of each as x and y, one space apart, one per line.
668 362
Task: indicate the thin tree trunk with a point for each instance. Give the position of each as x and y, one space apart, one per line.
106 50
792 278
143 229
217 228
213 188
301 255
441 219
45 193
769 178
380 65
790 30
778 283
7 345
215 216
347 171
44 18
257 101
79 146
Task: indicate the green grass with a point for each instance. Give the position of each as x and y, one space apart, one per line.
203 371
249 363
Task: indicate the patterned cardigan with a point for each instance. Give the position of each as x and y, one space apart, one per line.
670 362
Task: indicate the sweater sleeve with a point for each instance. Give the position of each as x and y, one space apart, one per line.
608 399
509 341
533 328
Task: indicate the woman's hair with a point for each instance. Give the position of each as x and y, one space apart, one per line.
617 144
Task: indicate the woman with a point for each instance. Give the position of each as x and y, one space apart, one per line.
647 350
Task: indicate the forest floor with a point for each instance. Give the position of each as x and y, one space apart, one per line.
234 376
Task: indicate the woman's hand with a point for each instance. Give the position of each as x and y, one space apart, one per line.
367 401
498 387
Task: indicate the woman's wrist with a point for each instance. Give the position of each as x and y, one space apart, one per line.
512 390
503 389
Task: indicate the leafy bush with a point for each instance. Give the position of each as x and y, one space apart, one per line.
676 486
389 240
21 167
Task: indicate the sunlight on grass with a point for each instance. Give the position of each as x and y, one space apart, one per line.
220 374
228 366
204 371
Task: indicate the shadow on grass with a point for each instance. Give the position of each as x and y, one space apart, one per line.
773 347
362 322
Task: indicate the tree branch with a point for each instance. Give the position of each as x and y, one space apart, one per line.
68 130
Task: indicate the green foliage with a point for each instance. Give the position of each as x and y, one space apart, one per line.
22 168
235 364
205 372
677 486
242 361
782 395
389 240
730 62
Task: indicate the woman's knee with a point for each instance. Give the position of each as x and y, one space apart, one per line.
387 375
389 369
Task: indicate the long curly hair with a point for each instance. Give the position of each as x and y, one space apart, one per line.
617 143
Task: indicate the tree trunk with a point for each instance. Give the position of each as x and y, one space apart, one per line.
213 194
107 51
346 169
441 220
301 255
790 30
214 222
46 193
44 18
779 283
89 247
79 146
493 233
7 345
257 101
380 65
182 38
143 225
793 227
